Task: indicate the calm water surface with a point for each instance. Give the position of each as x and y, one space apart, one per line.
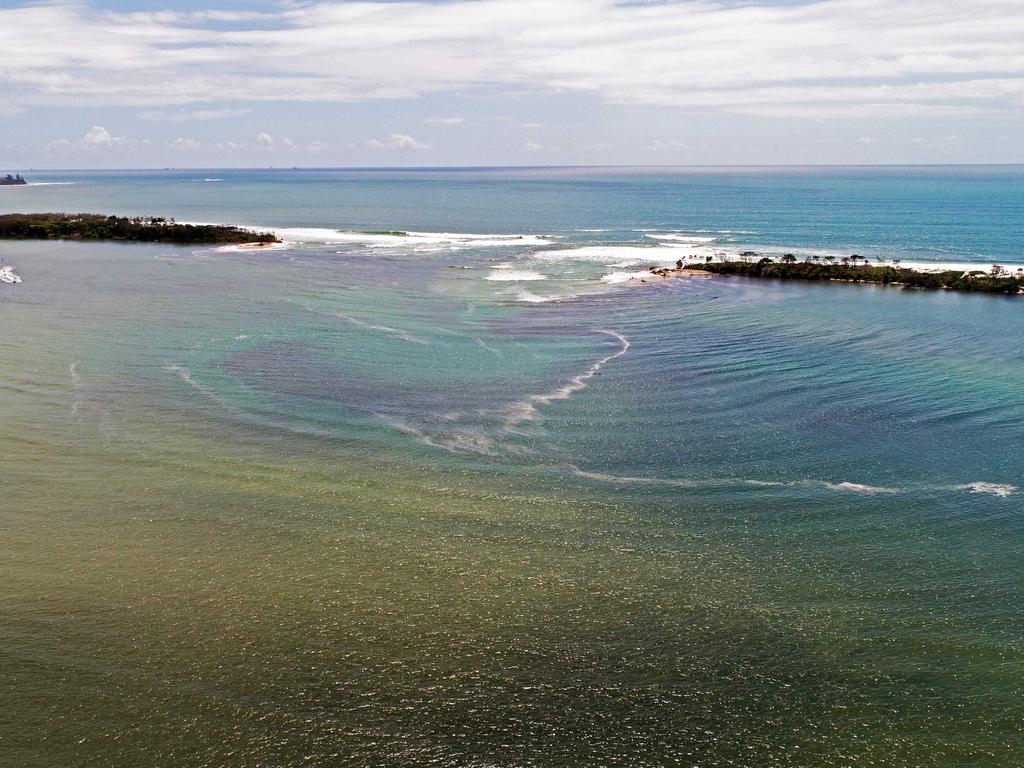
461 498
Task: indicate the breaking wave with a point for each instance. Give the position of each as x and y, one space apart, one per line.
995 489
858 488
527 409
514 276
412 240
615 255
676 237
471 438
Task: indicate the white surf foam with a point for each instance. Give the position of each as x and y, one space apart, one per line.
397 332
470 439
996 489
527 409
186 377
614 278
514 275
735 253
76 387
726 481
1002 490
411 239
630 480
528 297
455 440
247 247
958 266
676 237
618 255
452 442
860 488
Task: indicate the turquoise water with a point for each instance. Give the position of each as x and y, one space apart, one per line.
469 496
939 213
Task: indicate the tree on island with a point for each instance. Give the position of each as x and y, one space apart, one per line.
997 280
92 226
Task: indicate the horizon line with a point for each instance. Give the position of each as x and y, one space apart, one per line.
516 167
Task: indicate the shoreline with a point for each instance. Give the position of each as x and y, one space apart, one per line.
138 229
997 280
705 259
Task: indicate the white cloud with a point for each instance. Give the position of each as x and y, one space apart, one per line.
868 140
98 141
532 146
98 136
265 140
443 120
315 147
184 144
823 58
399 141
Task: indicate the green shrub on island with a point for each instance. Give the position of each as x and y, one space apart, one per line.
996 280
141 229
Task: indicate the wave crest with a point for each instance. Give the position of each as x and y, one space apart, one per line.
526 410
514 276
1003 490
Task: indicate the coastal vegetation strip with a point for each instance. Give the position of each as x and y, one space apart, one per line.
141 229
997 279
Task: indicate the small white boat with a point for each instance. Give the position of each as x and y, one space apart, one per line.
7 275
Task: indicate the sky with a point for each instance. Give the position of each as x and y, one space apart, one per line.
251 83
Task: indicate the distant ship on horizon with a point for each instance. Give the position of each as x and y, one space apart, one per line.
8 180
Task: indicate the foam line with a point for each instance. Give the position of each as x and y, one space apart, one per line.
526 410
1000 490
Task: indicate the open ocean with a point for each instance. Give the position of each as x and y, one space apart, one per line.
435 483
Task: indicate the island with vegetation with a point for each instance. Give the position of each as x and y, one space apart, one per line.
140 229
853 269
11 181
